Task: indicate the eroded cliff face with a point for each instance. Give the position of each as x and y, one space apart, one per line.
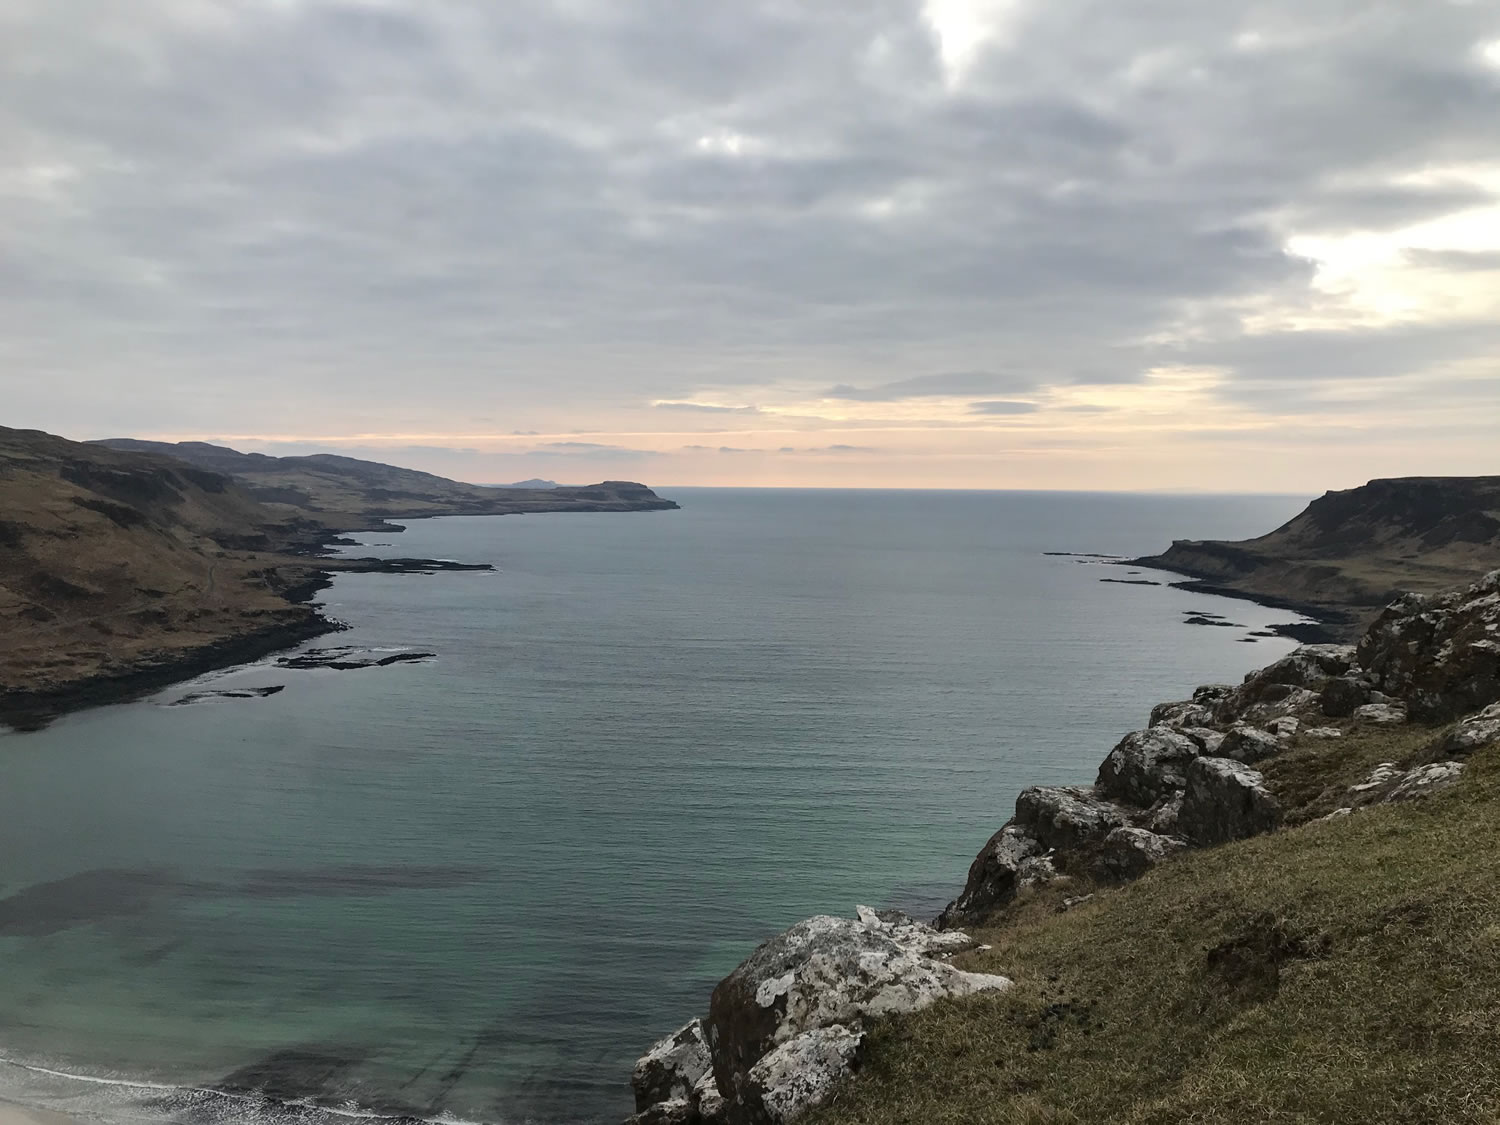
787 1026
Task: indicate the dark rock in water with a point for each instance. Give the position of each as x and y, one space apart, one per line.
348 659
1131 581
231 693
1248 641
1203 619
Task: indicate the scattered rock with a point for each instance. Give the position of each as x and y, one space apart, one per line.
1474 733
1073 903
1322 733
1424 781
1146 765
231 693
1388 783
1382 714
672 1068
1285 728
347 658
1226 800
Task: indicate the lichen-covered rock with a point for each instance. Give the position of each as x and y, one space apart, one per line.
710 1105
1183 713
1424 781
1388 783
1065 818
672 1067
1441 654
1474 733
1280 701
1128 853
1146 765
1210 694
1249 744
1208 739
1285 728
799 1074
1381 714
678 1111
1287 687
1004 866
1322 734
1226 800
821 974
1162 817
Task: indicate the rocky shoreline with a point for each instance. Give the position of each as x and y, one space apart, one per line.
786 1028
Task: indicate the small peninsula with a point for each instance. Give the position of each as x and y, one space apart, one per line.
125 565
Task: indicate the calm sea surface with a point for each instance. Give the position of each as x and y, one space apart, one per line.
479 887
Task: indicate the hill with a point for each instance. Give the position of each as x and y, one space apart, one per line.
347 492
1351 552
123 569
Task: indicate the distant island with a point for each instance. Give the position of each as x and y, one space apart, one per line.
1351 552
126 565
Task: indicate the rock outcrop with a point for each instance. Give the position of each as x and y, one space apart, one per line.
787 1024
1226 800
1439 654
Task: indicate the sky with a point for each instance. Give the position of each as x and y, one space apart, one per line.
1247 245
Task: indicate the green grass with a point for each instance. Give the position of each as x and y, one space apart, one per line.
1338 972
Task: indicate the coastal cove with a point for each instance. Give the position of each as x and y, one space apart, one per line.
472 884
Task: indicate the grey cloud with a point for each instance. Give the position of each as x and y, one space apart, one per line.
591 451
406 211
929 386
700 408
1003 406
1455 259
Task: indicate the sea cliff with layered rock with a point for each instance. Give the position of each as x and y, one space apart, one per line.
1297 749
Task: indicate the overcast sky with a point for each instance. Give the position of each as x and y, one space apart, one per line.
960 243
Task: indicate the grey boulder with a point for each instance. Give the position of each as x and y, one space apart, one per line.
1226 800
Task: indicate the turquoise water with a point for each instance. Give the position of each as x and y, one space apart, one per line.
478 887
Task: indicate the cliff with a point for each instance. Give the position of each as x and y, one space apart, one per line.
1351 552
1279 901
122 570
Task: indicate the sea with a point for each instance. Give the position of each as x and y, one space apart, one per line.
474 886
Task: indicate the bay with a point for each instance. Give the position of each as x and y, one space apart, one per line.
476 887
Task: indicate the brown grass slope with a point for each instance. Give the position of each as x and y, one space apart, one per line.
1351 552
347 492
116 564
1343 971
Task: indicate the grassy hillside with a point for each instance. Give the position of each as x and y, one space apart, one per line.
1340 971
346 492
1351 552
118 562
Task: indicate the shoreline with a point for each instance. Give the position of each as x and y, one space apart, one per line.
1328 625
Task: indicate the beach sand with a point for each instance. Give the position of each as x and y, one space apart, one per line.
11 1114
